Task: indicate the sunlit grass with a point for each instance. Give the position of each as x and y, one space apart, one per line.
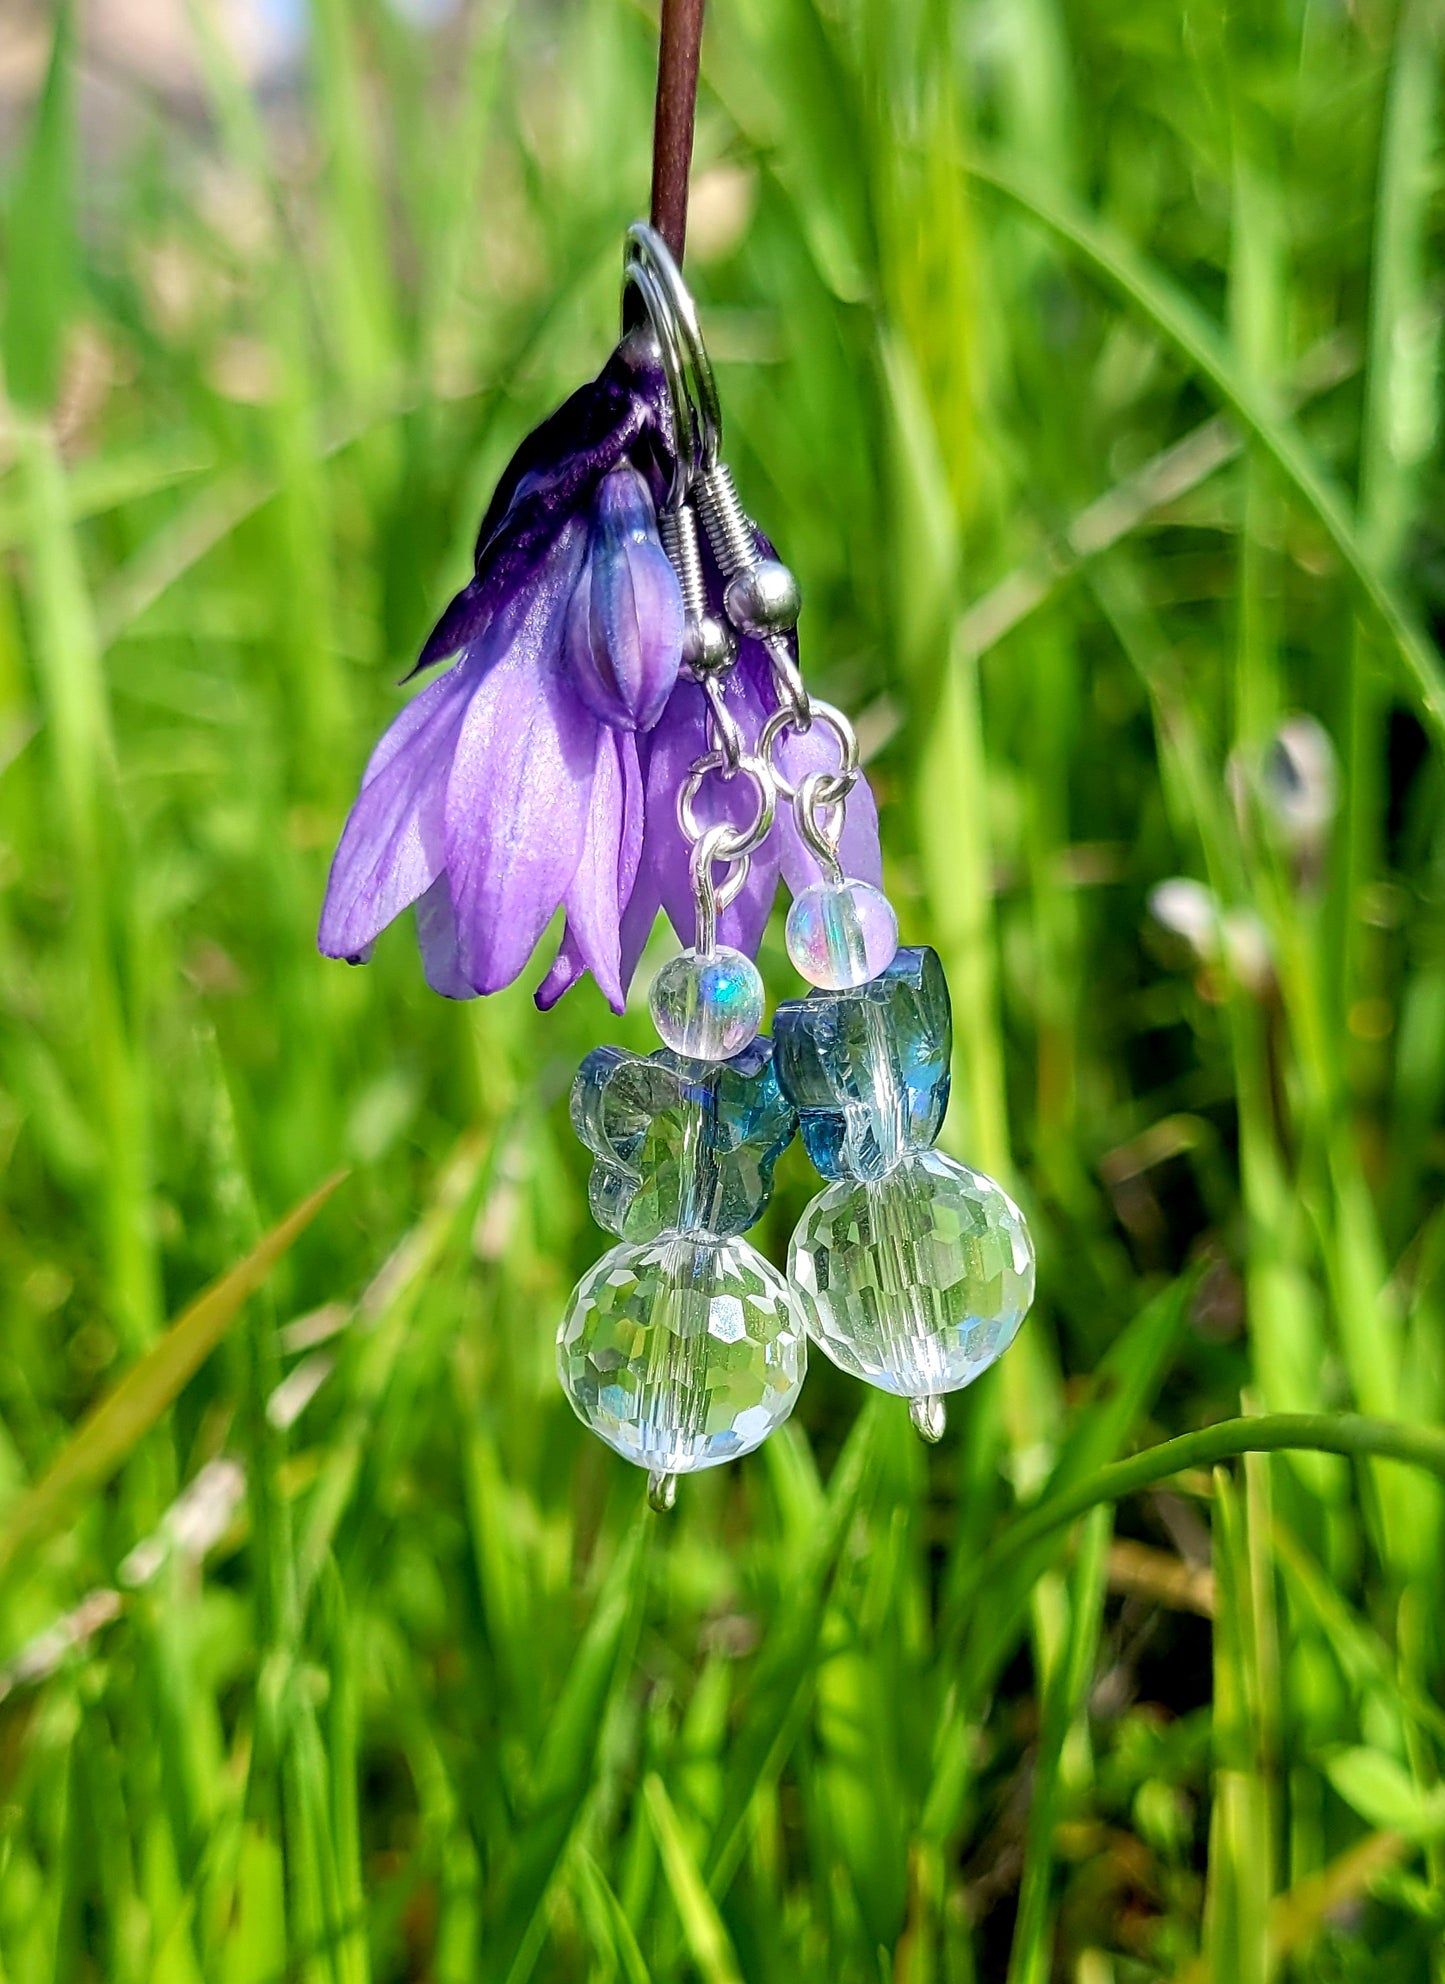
1083 362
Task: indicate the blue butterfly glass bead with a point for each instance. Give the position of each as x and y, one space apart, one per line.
868 1068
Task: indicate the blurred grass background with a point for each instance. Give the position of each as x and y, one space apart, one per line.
1082 358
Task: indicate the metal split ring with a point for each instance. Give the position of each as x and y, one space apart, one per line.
734 842
836 784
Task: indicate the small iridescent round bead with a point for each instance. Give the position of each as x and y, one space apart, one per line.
708 1007
841 934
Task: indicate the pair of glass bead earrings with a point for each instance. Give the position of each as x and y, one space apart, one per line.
683 1347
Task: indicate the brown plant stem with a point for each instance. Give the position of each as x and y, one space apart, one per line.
679 44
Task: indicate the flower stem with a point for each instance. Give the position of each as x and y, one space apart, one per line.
677 59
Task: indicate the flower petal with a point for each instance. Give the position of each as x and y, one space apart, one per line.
604 879
547 482
638 919
393 844
624 628
436 933
518 797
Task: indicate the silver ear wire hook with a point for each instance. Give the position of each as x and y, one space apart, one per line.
649 268
762 597
638 279
651 277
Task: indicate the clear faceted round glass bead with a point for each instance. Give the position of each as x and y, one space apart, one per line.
841 934
708 1007
915 1283
682 1353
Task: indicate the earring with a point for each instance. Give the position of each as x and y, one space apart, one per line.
683 1348
628 635
912 1271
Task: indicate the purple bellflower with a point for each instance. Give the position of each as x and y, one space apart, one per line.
541 770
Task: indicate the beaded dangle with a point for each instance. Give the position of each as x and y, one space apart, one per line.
913 1271
683 1347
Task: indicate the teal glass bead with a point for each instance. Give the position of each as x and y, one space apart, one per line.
707 1006
680 1144
681 1352
915 1282
868 1068
841 933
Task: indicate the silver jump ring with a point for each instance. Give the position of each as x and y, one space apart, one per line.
646 249
840 782
734 842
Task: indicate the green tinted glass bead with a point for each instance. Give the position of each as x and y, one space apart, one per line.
678 1143
682 1353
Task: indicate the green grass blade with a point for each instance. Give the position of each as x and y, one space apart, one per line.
603 1902
702 1926
1281 1432
1122 1390
1239 1875
110 1432
40 238
565 1763
776 1695
1198 341
1029 1954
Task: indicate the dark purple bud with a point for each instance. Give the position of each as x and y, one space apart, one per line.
624 625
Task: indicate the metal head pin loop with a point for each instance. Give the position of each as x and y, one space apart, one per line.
820 822
710 897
